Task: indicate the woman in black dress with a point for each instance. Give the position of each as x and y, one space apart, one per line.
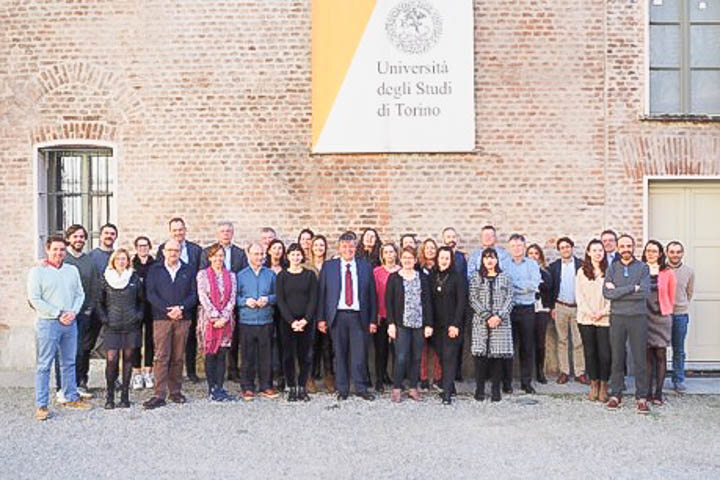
121 311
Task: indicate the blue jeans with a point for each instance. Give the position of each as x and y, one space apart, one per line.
83 329
679 332
50 337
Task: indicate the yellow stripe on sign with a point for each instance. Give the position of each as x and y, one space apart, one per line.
337 27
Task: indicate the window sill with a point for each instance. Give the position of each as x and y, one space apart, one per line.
689 117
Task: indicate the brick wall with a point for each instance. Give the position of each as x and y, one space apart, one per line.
207 105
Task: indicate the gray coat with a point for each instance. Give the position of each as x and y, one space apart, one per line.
491 342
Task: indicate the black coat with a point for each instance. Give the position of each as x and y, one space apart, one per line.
546 288
238 259
395 300
450 303
555 272
121 310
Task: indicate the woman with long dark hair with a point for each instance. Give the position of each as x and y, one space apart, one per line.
661 303
296 294
369 247
542 309
593 318
491 292
217 289
449 299
121 308
389 259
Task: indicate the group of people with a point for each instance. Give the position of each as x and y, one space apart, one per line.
275 316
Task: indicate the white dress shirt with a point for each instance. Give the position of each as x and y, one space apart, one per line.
353 271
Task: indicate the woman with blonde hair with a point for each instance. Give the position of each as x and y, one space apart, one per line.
121 310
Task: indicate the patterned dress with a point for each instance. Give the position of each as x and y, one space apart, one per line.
491 296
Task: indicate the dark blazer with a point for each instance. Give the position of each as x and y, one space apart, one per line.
331 285
461 265
238 259
555 272
162 292
546 288
121 310
395 300
194 252
450 304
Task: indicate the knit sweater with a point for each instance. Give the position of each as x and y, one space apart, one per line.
590 300
52 291
684 289
625 297
88 276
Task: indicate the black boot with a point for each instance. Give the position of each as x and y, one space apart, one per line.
110 397
302 394
124 398
496 370
292 394
496 396
481 365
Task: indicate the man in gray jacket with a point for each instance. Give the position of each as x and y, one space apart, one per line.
627 284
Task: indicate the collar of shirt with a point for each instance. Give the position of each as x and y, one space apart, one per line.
567 261
72 252
172 270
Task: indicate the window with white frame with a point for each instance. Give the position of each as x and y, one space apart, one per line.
684 57
75 185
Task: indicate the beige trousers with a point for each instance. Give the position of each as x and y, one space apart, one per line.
566 324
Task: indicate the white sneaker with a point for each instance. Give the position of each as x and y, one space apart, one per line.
59 397
149 380
137 382
84 393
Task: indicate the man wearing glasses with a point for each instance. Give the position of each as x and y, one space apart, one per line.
627 285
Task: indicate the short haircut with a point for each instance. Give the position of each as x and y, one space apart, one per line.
255 244
626 235
226 223
409 250
675 242
348 236
564 239
304 231
213 249
447 229
295 247
142 237
516 236
407 235
176 219
109 225
55 238
74 228
115 254
609 232
268 230
488 227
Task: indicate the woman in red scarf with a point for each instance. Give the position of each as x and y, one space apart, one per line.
217 288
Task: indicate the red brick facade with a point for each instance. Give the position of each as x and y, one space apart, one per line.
207 106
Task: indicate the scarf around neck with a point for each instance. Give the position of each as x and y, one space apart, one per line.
214 336
118 280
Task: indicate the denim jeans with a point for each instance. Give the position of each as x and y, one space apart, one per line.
679 332
83 330
50 337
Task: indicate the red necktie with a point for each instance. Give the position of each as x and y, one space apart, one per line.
348 287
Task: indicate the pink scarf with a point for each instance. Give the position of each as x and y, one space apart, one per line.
214 336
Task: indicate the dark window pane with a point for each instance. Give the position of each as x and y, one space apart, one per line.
664 46
705 91
664 92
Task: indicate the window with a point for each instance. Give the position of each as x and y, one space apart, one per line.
684 57
76 186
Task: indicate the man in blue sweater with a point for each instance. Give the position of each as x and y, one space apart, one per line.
56 294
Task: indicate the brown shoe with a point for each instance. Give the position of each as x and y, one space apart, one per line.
248 395
396 395
269 393
562 379
613 404
642 407
594 390
330 384
42 414
583 379
603 393
414 394
310 385
178 398
78 404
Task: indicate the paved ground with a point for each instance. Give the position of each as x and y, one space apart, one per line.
551 435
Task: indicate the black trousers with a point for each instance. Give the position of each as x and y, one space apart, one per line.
276 358
349 336
523 332
596 345
382 351
191 345
409 343
148 344
215 369
255 347
449 349
488 368
296 346
233 354
322 355
542 320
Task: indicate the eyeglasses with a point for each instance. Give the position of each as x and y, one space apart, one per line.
143 245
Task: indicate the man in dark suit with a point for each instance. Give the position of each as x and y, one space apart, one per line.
190 254
235 260
347 306
609 240
563 309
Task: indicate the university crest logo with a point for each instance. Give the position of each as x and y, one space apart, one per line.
414 26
